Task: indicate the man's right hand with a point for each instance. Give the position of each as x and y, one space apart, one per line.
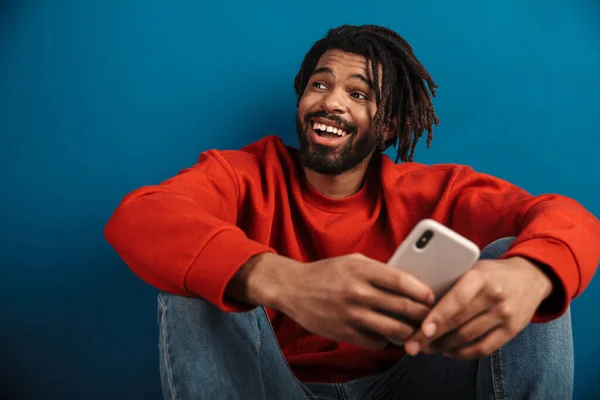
349 299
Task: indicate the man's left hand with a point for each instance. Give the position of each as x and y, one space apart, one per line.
486 308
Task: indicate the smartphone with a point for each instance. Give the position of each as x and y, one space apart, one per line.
436 255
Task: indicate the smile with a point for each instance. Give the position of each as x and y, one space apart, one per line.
327 134
323 129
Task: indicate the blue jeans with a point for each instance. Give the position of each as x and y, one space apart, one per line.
206 353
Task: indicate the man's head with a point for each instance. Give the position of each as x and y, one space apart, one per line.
361 89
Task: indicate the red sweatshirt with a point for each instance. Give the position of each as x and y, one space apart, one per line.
190 234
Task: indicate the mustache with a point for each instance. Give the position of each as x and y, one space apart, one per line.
348 126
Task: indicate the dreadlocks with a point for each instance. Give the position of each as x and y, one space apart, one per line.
403 101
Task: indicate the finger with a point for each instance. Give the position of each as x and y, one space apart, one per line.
447 314
468 333
401 282
362 337
389 328
477 308
483 348
388 303
385 302
371 339
396 306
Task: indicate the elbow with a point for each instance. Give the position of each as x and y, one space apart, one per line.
129 219
115 229
111 228
116 226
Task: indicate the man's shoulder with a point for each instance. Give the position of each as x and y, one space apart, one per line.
408 169
266 146
269 150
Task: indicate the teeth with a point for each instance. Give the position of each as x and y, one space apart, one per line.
324 128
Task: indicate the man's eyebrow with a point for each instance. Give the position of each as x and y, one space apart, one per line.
364 79
321 70
327 70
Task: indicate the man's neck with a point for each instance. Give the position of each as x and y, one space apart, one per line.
338 186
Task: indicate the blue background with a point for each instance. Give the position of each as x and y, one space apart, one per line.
98 98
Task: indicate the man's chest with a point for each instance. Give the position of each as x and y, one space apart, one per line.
309 234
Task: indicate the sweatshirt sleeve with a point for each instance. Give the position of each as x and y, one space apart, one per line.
553 231
180 236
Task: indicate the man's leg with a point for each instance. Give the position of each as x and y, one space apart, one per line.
206 353
536 364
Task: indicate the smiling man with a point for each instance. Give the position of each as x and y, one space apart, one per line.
271 261
327 135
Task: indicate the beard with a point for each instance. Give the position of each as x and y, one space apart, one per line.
333 160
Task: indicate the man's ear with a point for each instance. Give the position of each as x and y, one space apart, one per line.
391 129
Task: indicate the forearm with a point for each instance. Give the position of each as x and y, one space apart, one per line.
176 246
551 231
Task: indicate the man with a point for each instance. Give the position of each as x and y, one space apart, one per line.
305 234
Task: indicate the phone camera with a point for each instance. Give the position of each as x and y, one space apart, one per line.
424 239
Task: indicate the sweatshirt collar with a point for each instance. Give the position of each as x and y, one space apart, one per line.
355 201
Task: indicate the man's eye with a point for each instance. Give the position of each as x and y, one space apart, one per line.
319 85
359 96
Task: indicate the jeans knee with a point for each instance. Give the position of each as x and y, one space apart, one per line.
200 345
197 316
178 304
166 299
556 334
497 248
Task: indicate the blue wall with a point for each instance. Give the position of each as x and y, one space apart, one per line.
98 98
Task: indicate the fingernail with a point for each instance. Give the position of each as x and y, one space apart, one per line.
430 298
412 348
429 329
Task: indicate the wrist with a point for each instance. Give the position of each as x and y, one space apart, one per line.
552 280
544 276
265 280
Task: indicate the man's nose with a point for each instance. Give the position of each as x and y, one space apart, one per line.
334 102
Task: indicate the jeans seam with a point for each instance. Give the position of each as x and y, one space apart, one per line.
497 382
272 331
166 353
259 339
161 301
380 395
341 391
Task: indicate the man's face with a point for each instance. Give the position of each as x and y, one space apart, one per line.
335 114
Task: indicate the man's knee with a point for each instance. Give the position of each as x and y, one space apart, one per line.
497 248
198 319
180 306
